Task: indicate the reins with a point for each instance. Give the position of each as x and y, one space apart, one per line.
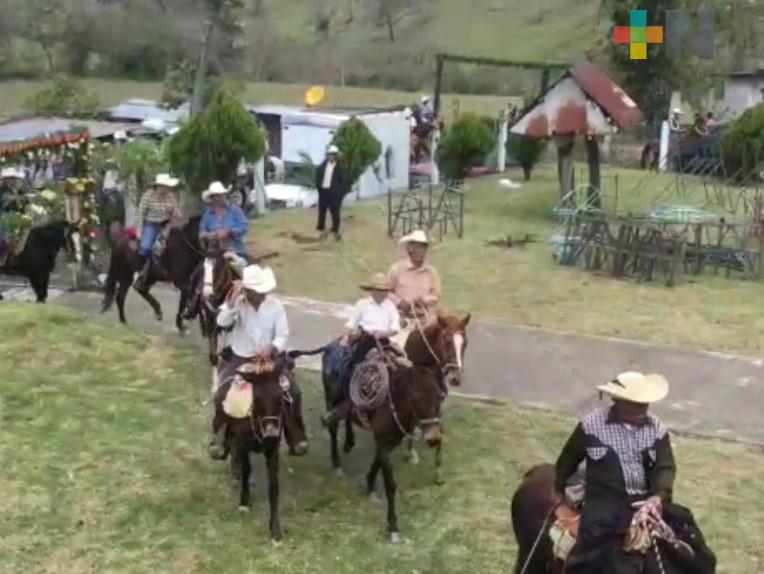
444 367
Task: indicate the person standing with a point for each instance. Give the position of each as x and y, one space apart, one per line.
332 186
629 465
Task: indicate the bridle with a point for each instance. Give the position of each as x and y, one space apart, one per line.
257 423
444 367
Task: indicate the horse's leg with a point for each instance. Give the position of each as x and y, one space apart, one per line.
349 435
122 289
371 476
144 292
390 488
412 455
272 463
246 471
37 282
212 344
333 430
179 322
438 462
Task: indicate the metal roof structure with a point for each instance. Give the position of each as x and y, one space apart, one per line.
584 101
23 129
139 110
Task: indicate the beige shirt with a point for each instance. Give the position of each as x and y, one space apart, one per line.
410 283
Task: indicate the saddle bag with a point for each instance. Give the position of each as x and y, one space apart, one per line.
564 531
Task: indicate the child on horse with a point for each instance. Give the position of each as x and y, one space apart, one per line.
374 320
157 208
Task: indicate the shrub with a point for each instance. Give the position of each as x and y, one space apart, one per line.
743 144
65 97
526 151
463 145
210 146
358 148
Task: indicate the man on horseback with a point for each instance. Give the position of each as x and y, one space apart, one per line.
374 320
415 284
259 333
157 208
629 464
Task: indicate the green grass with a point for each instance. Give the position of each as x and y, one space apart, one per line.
102 469
524 285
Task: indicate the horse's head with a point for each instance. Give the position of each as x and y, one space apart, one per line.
218 275
268 397
425 395
449 342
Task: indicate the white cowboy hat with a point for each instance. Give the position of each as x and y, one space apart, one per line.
215 188
417 236
333 149
258 279
377 282
11 172
637 388
165 180
425 99
677 111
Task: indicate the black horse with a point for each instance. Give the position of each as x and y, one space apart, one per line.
179 260
38 257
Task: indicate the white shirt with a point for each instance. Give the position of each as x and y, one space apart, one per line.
255 329
372 317
328 174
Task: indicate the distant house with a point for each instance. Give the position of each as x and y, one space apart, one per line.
736 93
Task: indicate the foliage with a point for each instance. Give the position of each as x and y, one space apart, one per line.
178 85
743 144
359 148
15 225
138 162
526 151
210 146
66 97
464 144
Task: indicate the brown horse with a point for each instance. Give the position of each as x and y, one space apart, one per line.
180 258
534 509
217 278
440 346
260 432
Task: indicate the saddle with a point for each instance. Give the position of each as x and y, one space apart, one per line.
564 531
238 400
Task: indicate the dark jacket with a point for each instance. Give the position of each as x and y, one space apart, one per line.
339 185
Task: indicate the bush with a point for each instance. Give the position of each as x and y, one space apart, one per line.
65 97
463 145
358 148
526 151
210 146
743 144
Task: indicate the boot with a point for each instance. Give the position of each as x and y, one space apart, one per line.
337 413
142 276
217 447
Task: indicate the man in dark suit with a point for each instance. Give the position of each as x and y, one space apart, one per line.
332 187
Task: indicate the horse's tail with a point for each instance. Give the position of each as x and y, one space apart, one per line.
297 354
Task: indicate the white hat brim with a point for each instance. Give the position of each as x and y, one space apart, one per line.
637 388
263 285
415 237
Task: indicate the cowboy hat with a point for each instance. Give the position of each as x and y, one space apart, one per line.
333 149
11 172
677 111
425 99
215 188
258 279
377 282
165 180
637 388
417 236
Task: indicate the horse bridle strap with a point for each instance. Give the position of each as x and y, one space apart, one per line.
444 367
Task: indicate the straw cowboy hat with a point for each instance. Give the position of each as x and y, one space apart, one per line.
11 173
333 149
215 188
417 236
637 388
258 279
378 282
165 180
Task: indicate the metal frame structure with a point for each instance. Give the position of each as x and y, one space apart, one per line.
429 207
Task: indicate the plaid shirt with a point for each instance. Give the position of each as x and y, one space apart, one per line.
156 207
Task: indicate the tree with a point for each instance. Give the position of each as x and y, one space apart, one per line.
66 97
210 146
526 151
138 161
359 148
743 144
464 144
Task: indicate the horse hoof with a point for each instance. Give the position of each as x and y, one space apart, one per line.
339 472
439 481
374 498
243 508
413 458
395 538
158 317
277 542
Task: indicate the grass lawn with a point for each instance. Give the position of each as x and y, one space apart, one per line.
523 285
102 469
110 92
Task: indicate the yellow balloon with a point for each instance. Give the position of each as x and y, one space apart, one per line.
314 96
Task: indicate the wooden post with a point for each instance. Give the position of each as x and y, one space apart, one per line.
197 97
594 198
440 61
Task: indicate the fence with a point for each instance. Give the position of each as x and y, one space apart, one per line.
435 209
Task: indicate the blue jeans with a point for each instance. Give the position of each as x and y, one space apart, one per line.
148 237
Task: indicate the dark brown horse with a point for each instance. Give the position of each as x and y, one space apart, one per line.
260 433
533 511
440 346
217 277
179 260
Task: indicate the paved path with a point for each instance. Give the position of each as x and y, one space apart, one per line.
713 394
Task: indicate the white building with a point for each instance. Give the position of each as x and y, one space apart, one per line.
736 93
295 133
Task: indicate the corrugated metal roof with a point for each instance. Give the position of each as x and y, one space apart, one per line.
583 102
138 110
36 127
